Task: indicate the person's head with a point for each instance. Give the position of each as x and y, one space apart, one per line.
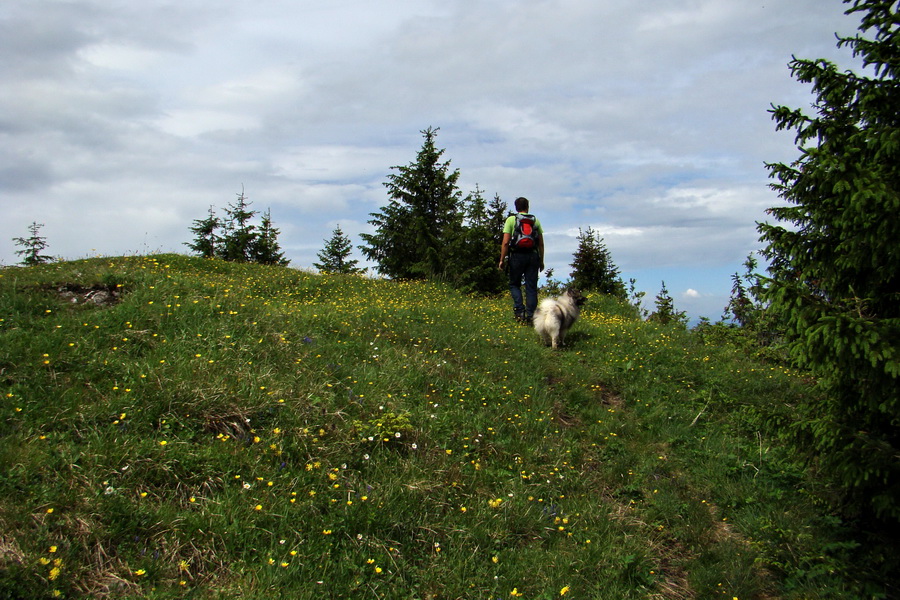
522 204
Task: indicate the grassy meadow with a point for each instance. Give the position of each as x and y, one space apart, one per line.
172 427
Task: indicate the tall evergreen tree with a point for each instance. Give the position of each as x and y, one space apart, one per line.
593 266
745 307
665 312
416 230
335 256
239 233
265 248
206 241
239 240
834 274
479 242
32 246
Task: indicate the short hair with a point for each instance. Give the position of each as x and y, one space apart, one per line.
521 204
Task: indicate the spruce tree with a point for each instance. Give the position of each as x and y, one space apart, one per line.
745 306
834 260
239 234
416 231
665 312
336 254
32 246
206 241
239 240
265 248
478 245
593 266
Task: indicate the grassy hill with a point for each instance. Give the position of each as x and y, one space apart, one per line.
178 428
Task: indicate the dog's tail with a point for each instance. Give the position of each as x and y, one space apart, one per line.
547 312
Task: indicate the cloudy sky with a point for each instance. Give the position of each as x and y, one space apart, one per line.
123 121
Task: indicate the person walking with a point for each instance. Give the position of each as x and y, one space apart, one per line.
523 244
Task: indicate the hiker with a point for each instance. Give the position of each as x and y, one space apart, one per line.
523 242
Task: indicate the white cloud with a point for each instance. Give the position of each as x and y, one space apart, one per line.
333 163
119 57
192 123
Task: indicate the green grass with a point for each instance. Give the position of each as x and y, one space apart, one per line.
238 431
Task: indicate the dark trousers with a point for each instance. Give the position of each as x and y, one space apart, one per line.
524 266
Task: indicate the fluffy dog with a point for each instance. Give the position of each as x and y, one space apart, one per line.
555 316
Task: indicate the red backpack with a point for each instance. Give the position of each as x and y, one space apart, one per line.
525 235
